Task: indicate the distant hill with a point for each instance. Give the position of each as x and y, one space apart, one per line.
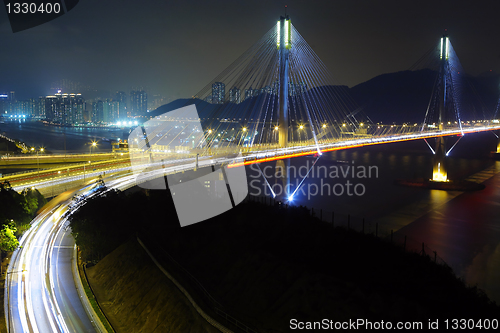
394 97
404 96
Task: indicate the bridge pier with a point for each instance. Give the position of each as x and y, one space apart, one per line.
439 172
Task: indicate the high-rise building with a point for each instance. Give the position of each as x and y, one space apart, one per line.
52 108
97 111
251 92
65 108
296 89
156 101
218 93
266 89
110 111
26 107
4 104
275 87
138 103
40 107
87 114
76 105
235 95
121 98
12 96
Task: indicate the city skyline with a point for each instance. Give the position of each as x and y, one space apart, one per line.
167 49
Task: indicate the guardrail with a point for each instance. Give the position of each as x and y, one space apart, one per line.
89 308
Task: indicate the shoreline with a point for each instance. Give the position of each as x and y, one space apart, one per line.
408 214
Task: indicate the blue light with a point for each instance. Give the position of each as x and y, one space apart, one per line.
290 198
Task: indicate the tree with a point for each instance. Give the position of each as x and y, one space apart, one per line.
8 242
20 207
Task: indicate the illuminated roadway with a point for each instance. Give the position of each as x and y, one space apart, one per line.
42 295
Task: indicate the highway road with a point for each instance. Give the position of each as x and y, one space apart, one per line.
40 288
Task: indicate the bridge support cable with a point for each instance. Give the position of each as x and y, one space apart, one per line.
429 105
317 100
497 108
265 179
433 152
262 97
339 97
290 197
299 62
449 151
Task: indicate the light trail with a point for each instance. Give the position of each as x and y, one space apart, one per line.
37 294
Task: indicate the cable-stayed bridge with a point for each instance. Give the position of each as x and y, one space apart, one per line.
278 101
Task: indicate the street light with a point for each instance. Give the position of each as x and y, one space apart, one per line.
93 144
38 161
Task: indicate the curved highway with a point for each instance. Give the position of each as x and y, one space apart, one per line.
41 294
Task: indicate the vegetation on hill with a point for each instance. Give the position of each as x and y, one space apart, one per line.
16 211
137 297
267 265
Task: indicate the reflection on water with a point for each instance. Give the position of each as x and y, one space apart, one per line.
58 139
463 228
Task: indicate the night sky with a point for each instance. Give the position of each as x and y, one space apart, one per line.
175 48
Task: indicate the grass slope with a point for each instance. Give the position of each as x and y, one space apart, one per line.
137 297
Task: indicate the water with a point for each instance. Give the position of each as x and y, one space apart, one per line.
59 139
387 162
462 227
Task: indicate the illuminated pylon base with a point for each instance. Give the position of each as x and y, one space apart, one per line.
439 173
498 147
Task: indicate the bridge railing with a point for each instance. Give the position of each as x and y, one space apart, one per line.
46 156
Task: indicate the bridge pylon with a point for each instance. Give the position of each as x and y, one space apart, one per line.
284 44
439 170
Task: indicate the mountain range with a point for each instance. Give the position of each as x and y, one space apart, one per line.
388 98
